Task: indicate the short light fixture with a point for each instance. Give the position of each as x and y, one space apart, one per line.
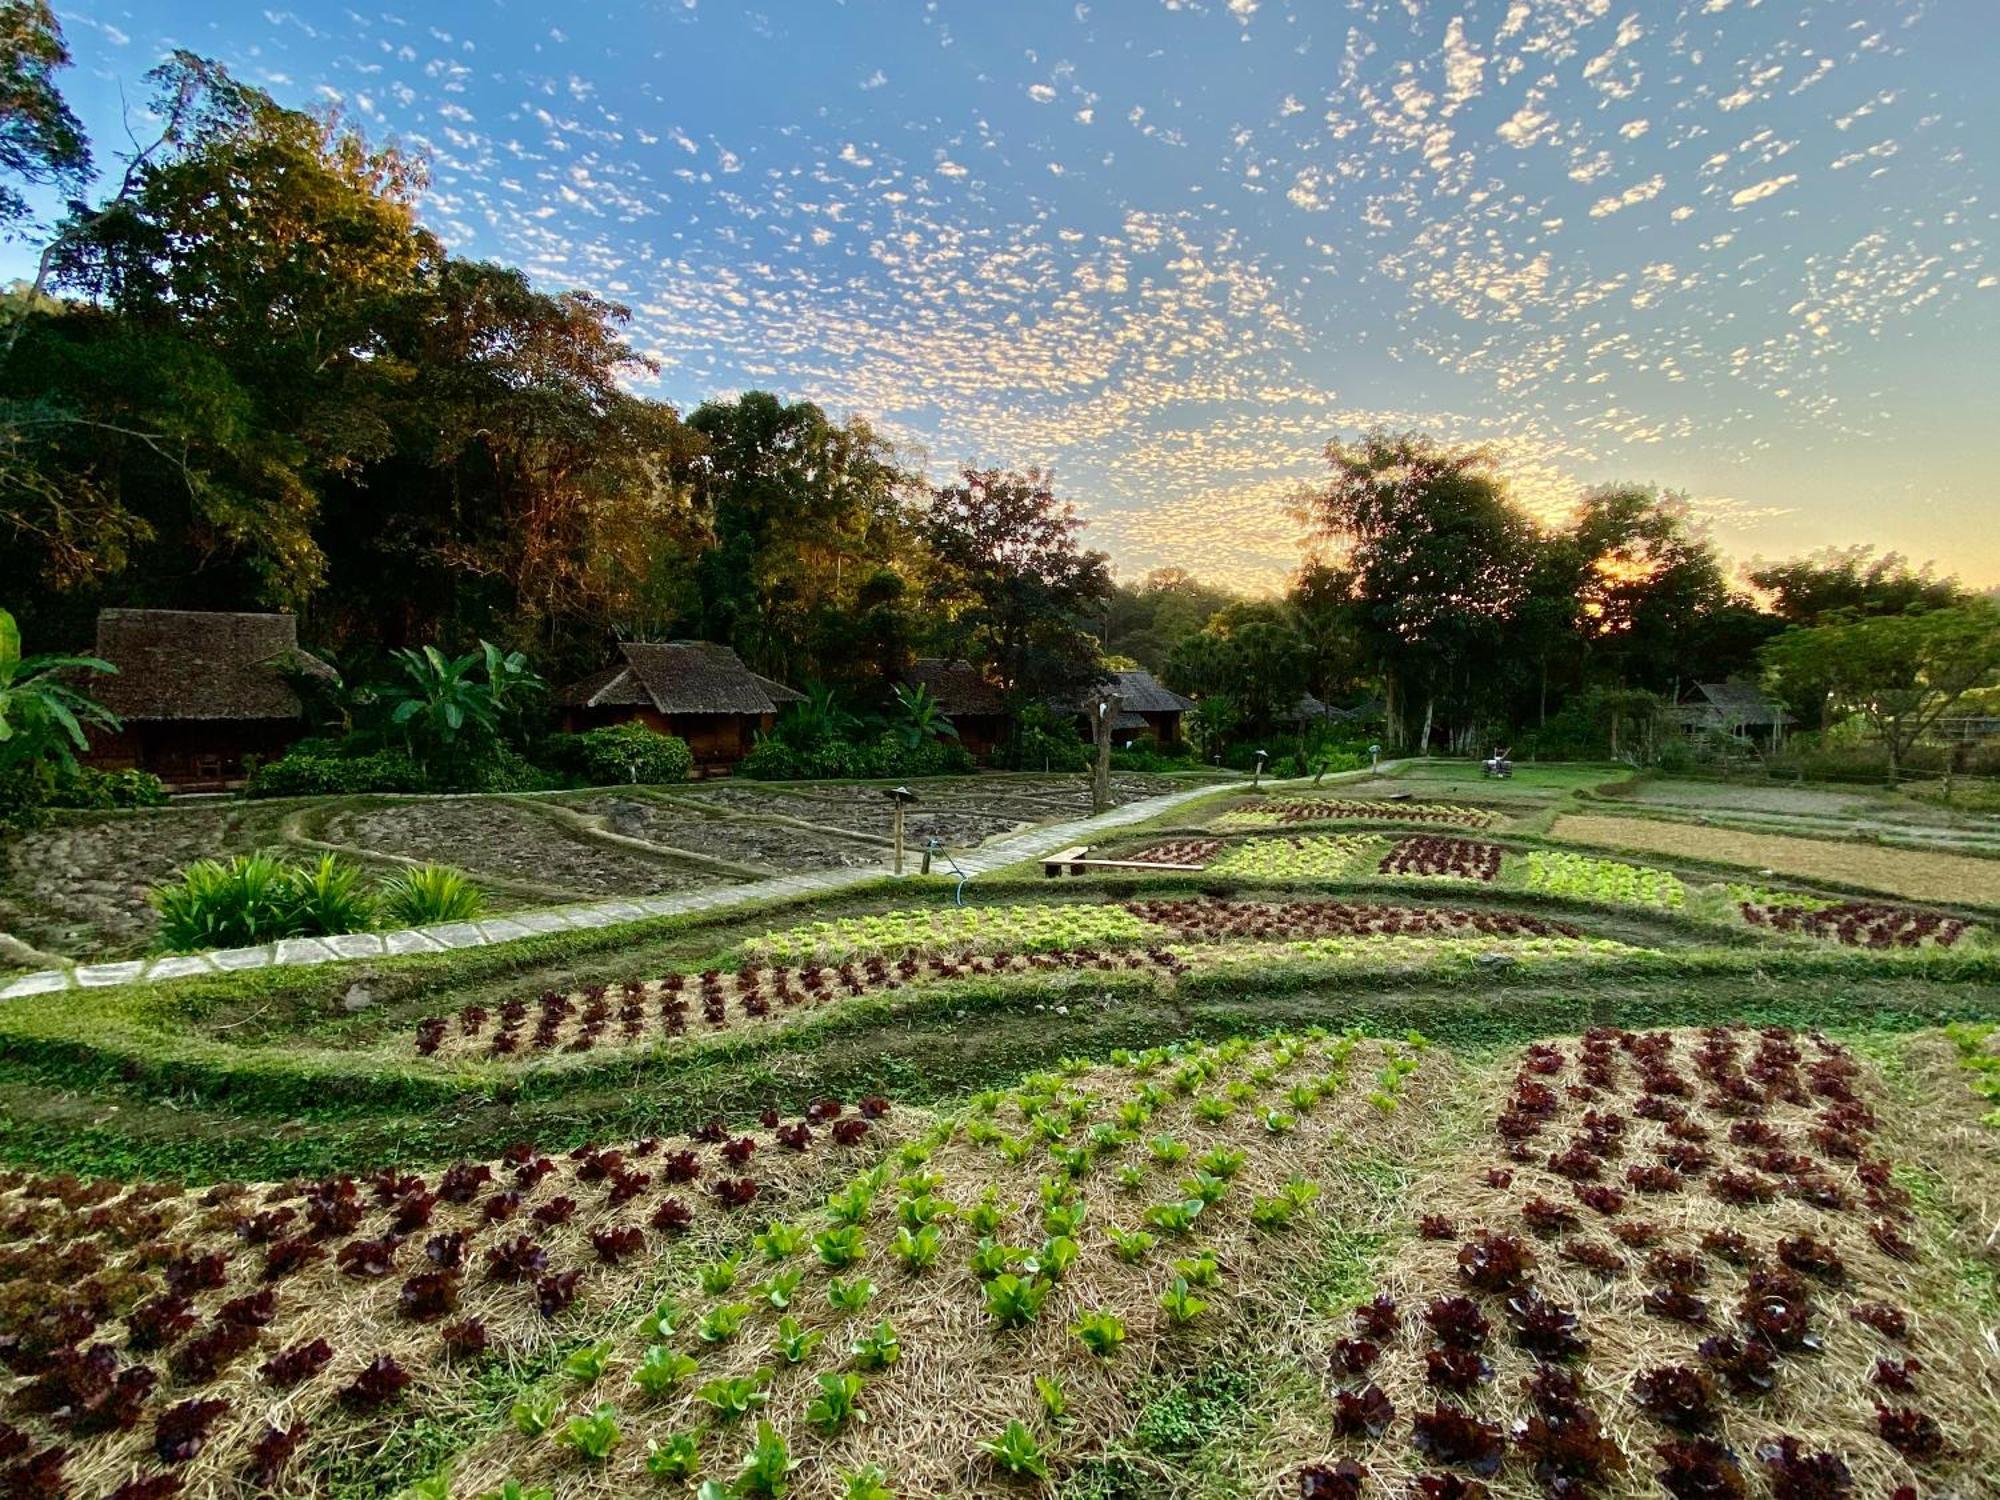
902 797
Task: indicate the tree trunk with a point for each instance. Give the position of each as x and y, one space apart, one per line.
1424 740
1107 707
1392 726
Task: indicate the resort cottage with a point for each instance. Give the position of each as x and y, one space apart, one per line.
695 689
977 709
196 691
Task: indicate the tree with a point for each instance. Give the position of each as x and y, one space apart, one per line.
1902 673
1649 588
919 717
449 706
1851 583
1013 582
41 143
42 718
1439 558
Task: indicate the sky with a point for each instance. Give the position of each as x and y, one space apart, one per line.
1170 248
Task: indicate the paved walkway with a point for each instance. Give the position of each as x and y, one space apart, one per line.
1032 843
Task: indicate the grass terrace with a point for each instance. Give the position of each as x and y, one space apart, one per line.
1396 1143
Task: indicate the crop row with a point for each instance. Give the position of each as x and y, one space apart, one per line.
1753 1241
1177 852
1061 1225
1274 812
1608 880
1859 924
1205 919
150 1327
1325 856
650 1011
1978 1048
1031 928
1447 858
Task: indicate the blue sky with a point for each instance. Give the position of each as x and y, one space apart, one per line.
1169 247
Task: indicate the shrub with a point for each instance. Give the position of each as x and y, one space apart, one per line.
621 754
250 900
321 773
329 897
431 893
776 759
88 787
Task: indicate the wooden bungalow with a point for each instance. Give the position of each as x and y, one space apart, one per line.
196 691
697 690
1148 711
1734 709
977 709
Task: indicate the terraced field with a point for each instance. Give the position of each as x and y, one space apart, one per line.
1378 1155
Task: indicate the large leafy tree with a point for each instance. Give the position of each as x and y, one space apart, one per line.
1851 583
1439 558
41 143
1902 673
1012 581
801 513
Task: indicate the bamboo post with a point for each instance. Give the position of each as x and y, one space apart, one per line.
899 835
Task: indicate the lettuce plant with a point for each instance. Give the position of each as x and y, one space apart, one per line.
661 1369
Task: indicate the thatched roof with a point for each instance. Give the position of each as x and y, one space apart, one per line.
958 686
1731 706
200 664
679 677
1141 694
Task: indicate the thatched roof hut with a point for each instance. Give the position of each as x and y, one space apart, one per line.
695 689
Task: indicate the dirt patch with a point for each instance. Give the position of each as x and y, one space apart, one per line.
478 834
780 848
1923 876
79 887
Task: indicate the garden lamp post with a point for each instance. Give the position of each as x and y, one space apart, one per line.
902 797
1257 775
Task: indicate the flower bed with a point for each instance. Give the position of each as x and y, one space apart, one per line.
643 1012
1206 920
1858 924
1310 857
1607 880
1273 813
214 1339
1690 1258
1443 858
952 929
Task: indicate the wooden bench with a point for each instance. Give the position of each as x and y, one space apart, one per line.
1073 862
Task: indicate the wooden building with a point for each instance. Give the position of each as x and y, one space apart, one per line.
196 691
1148 711
697 690
976 707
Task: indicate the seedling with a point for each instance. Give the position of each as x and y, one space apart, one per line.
737 1395
1101 1332
679 1457
1130 1245
1180 1304
781 1241
1176 1218
534 1413
1014 1300
869 1483
589 1363
878 1348
722 1323
593 1437
767 1472
841 1248
661 1321
718 1276
781 1288
850 1296
661 1369
1222 1162
1199 1270
918 1251
837 1404
1054 1399
796 1344
1017 1452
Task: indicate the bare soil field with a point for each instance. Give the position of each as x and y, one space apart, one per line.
1920 875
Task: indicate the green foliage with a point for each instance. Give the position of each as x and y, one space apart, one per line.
1101 1332
322 773
590 1362
255 898
918 1250
430 893
849 1296
1045 740
42 717
1130 1245
661 1369
1055 1400
883 758
91 789
919 717
513 1489
768 1469
779 1240
733 1396
1180 1304
722 1323
1013 1301
593 1437
795 1343
841 1247
718 1276
1017 1451
621 755
869 1482
878 1348
533 1413
838 1402
679 1457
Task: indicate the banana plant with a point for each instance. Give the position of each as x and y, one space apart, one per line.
40 713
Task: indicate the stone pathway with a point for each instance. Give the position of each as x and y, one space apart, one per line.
1009 849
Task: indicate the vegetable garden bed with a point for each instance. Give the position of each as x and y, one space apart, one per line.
1273 813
